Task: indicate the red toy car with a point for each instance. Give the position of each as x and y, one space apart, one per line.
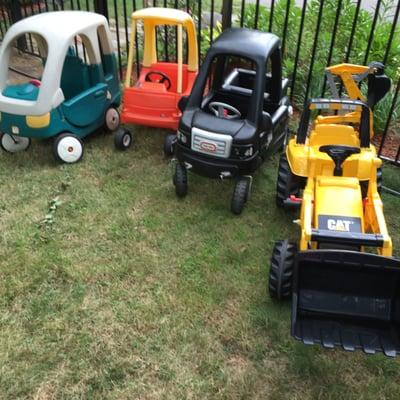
153 99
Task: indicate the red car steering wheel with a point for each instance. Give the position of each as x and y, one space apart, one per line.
164 78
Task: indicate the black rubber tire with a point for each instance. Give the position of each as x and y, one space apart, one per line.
285 140
379 179
287 183
123 139
281 270
180 180
379 182
169 145
240 195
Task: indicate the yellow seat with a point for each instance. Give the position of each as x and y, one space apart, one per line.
331 134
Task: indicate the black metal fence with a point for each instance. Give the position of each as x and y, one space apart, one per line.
314 33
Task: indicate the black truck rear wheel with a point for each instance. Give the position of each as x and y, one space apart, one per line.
287 183
169 145
281 271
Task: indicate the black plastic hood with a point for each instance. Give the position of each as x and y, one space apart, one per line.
241 130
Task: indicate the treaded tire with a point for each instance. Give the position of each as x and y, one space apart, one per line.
240 196
123 139
285 139
379 182
180 180
281 270
287 183
169 145
379 179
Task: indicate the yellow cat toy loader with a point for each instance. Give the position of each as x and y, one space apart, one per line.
350 76
341 295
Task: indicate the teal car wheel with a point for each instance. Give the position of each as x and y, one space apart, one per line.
68 148
112 119
13 143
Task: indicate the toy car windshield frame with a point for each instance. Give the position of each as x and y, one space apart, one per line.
157 16
256 46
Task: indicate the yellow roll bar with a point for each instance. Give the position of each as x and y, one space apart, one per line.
153 17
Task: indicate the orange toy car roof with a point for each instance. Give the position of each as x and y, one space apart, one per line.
163 16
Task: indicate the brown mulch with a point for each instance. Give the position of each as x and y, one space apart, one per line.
391 144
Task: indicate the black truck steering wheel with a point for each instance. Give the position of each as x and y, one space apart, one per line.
164 78
222 110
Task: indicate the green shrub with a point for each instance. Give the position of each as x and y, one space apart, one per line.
358 49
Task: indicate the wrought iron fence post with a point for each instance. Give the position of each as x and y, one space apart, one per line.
101 7
227 14
15 10
14 7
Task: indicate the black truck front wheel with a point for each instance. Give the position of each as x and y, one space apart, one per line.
287 183
281 271
240 195
180 180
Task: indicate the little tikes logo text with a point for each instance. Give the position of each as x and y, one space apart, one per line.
207 146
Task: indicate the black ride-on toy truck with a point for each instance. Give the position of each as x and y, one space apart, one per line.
237 112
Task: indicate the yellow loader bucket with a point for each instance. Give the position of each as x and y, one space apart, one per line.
347 298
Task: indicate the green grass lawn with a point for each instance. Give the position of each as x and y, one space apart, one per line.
125 292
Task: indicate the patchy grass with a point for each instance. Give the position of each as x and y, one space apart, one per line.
112 288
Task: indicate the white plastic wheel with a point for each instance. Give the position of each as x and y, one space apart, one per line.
68 148
126 141
13 143
112 119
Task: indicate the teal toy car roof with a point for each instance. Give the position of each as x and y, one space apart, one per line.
55 32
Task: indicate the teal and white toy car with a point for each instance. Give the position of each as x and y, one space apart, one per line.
79 89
